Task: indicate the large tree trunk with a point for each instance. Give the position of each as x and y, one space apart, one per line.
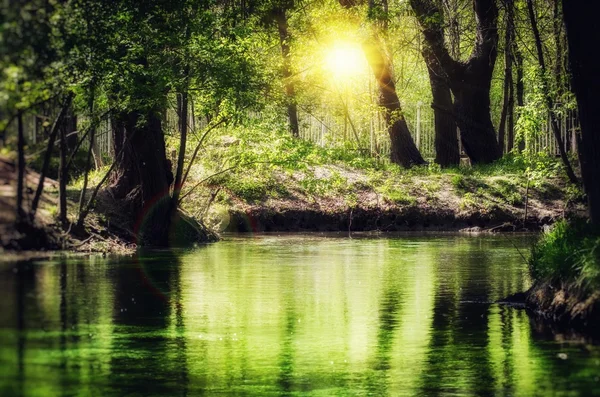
447 153
403 150
290 92
469 81
143 176
472 111
583 37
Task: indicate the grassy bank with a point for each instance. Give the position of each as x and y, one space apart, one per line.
565 267
253 177
281 183
569 252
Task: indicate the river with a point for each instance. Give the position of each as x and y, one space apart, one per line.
268 315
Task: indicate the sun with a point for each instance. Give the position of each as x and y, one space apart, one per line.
345 61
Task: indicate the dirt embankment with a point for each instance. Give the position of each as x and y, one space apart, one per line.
44 233
443 202
106 228
40 234
565 308
266 219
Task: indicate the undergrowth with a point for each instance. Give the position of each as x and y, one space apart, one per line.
569 252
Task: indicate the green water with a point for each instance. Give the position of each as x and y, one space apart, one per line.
288 315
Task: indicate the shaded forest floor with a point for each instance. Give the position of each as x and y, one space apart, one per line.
46 233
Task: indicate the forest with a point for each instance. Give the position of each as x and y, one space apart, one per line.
131 127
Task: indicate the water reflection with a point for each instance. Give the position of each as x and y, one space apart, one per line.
284 316
149 327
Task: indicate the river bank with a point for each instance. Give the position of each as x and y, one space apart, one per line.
564 307
565 266
333 197
342 198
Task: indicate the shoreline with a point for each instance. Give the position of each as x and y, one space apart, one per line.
265 219
563 307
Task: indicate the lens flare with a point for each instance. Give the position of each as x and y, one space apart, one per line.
345 61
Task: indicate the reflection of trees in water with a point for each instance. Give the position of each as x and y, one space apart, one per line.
506 321
25 279
457 355
377 377
149 360
472 322
286 357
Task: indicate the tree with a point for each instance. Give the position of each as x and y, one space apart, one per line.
470 81
547 96
507 92
144 54
446 139
403 150
582 37
281 18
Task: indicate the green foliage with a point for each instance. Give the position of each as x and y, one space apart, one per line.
507 190
252 185
396 193
468 201
570 252
465 183
94 178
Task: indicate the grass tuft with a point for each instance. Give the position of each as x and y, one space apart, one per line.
569 252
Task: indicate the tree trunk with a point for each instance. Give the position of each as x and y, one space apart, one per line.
502 130
88 164
548 97
97 154
558 43
469 81
520 85
511 117
403 150
20 168
70 123
472 112
583 37
290 92
143 176
62 176
447 153
182 110
48 155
